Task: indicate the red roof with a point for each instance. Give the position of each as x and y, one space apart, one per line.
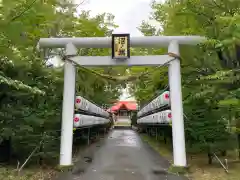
129 105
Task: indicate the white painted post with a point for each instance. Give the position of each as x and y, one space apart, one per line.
68 108
174 73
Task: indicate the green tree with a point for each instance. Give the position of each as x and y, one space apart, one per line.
31 91
209 71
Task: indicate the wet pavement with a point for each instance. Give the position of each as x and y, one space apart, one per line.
124 120
123 156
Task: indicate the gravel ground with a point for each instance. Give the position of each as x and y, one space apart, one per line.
120 156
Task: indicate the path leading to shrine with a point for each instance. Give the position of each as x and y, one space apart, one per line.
123 156
123 121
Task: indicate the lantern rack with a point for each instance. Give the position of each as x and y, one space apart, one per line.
84 106
81 120
162 108
156 112
163 117
159 103
79 111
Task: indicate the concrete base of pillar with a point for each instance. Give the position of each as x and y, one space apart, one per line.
178 169
64 168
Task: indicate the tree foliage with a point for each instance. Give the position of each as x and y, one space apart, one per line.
210 71
31 90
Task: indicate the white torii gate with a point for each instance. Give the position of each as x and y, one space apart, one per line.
71 45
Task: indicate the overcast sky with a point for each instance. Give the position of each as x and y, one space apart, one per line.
128 15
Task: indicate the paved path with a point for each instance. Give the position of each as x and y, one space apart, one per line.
123 121
123 156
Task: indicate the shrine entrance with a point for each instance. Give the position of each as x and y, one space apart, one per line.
120 44
124 108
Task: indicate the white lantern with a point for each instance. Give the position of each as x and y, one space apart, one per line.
78 102
85 105
168 116
163 117
165 98
77 120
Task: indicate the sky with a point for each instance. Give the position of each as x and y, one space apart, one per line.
128 16
128 13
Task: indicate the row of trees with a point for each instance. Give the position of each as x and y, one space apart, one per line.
31 91
210 72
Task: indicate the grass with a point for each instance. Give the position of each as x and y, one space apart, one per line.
8 173
199 168
38 173
164 150
31 173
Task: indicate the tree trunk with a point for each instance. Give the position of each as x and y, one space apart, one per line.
210 157
224 153
164 137
40 157
165 140
5 151
238 146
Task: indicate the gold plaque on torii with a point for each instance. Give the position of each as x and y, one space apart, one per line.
120 46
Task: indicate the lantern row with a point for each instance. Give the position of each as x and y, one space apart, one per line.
85 105
81 120
158 102
163 117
